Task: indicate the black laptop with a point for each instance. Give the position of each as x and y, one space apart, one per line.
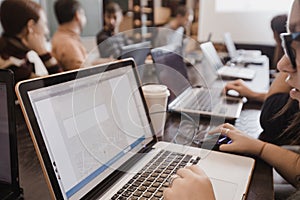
9 173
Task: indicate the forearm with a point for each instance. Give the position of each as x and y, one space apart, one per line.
51 63
259 96
286 163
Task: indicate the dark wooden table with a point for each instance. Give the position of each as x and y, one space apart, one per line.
261 186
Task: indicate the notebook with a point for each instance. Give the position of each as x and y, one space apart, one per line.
138 51
92 133
241 55
203 99
214 61
9 172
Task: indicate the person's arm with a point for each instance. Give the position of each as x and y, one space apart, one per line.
279 85
286 162
38 43
191 183
70 55
50 63
240 86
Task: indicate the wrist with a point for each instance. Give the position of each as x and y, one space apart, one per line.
48 60
261 148
41 51
50 63
259 96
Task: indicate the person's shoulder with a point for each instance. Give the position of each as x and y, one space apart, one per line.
59 36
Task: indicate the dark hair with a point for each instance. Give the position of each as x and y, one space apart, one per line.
15 14
278 23
291 134
182 10
112 8
65 10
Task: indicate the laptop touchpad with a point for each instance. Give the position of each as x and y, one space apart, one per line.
224 189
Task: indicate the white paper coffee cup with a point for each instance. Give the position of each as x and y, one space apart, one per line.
156 98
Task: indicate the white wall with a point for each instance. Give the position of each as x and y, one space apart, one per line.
247 20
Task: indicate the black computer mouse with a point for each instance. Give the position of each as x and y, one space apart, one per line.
214 141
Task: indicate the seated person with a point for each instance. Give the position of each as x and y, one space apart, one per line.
173 32
192 183
67 47
274 100
278 26
109 40
23 45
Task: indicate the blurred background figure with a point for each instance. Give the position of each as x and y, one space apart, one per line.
109 40
23 44
278 26
172 32
66 43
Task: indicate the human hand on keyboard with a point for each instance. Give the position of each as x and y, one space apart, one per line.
190 183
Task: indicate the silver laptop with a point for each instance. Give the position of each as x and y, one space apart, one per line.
241 55
203 99
92 132
214 60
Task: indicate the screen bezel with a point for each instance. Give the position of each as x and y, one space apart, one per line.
7 77
24 87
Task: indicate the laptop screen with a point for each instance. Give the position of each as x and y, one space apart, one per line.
90 125
138 51
5 164
211 55
9 172
229 45
171 70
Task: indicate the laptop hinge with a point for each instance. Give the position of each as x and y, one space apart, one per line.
104 185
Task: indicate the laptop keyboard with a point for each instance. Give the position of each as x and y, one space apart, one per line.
204 100
151 180
237 72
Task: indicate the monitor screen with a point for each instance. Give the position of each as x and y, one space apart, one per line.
5 164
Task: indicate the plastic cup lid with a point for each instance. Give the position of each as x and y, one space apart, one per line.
155 90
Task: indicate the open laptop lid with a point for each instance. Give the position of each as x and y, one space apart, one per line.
137 51
9 175
85 124
211 55
171 69
230 45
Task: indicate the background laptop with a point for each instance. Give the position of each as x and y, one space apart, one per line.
241 55
9 172
137 51
92 145
204 100
214 60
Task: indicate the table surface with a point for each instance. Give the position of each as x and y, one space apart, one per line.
261 186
